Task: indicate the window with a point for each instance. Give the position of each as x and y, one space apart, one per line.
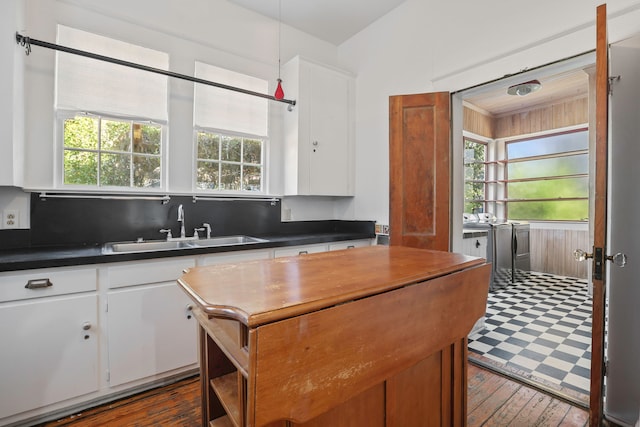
112 118
475 175
229 163
548 177
104 152
231 132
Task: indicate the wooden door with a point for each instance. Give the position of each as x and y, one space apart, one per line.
600 218
419 170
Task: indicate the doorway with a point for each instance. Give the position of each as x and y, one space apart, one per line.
538 324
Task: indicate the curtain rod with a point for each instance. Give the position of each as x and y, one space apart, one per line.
28 41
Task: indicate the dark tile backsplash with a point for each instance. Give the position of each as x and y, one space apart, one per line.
76 221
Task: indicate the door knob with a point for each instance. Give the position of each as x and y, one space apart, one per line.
581 255
618 259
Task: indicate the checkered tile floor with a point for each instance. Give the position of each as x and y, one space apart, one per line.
540 326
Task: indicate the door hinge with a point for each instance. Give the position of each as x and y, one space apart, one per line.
108 375
605 368
106 307
612 80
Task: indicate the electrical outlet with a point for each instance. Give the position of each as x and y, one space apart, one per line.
10 218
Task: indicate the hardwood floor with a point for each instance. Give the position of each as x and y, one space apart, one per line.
493 400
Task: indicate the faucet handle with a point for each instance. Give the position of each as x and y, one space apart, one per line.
195 232
168 231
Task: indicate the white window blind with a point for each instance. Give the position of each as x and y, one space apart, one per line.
222 109
84 84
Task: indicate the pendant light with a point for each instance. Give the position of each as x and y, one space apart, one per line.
279 91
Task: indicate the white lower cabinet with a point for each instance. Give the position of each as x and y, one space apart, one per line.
49 350
475 246
150 327
151 331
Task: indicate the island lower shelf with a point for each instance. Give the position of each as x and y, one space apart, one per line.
394 357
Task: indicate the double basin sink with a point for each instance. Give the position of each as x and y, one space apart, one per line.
165 245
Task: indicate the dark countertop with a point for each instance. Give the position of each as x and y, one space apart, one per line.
26 259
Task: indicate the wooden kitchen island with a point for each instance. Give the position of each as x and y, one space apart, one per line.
365 337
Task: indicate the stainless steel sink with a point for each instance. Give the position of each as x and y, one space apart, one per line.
148 246
228 241
164 245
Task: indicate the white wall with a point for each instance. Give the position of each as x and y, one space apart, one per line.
425 46
421 46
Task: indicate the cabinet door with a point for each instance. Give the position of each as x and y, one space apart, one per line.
151 331
47 354
329 149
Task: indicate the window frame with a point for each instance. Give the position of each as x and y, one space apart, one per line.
59 170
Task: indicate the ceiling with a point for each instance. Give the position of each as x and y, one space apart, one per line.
334 21
567 85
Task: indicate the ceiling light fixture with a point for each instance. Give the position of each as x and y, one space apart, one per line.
279 94
523 89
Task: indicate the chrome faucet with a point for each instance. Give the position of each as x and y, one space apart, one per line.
181 221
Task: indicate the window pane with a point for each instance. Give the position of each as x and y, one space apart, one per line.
208 175
559 166
473 207
231 148
81 132
80 167
208 145
560 210
230 177
147 138
252 151
115 136
115 169
549 189
252 178
146 171
550 145
474 171
474 190
474 151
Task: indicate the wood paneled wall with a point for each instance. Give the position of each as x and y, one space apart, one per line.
552 251
478 123
555 116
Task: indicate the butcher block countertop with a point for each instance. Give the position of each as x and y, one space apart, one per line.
265 291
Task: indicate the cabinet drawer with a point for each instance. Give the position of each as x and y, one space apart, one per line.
350 244
299 250
46 282
140 273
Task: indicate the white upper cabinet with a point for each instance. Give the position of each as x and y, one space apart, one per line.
319 132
